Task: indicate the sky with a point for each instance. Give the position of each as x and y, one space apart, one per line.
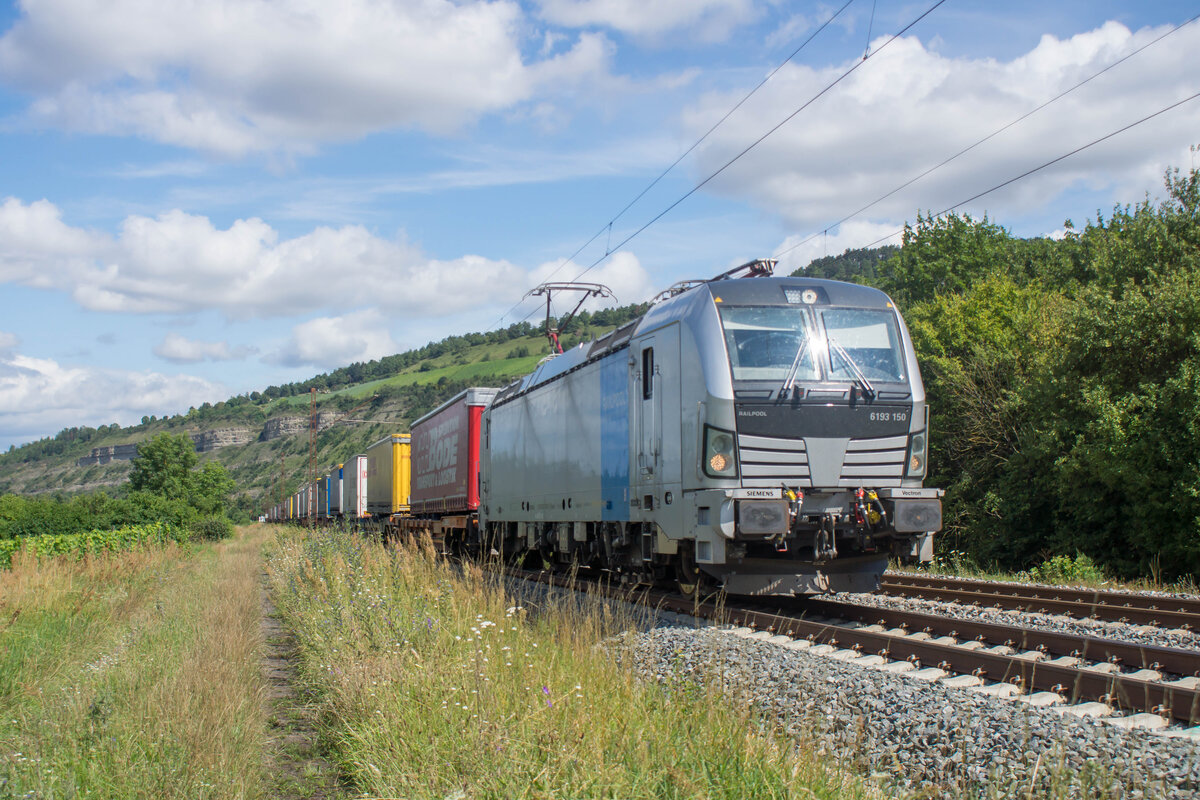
202 199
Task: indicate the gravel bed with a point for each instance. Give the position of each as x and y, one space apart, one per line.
1138 634
1076 587
927 740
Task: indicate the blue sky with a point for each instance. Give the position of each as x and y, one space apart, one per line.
203 199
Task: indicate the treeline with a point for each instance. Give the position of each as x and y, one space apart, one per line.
165 486
861 265
65 441
1064 380
76 441
361 372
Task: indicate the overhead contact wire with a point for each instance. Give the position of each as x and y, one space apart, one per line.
686 153
760 139
990 136
1049 163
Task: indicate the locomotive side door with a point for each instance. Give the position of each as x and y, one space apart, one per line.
656 382
646 399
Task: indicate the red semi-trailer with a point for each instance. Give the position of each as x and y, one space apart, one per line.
445 468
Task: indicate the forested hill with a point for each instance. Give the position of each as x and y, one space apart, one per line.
861 266
262 437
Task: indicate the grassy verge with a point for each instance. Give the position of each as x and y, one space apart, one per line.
1062 570
133 674
435 684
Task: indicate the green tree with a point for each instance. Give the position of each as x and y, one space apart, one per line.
211 488
163 466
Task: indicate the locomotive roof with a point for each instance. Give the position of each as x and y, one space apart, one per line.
766 291
770 291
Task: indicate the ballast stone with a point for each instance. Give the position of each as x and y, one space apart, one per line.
1149 722
1086 710
1042 699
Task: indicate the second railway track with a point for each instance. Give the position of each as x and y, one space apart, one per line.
1162 611
1043 667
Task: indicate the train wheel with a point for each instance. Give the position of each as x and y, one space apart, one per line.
689 580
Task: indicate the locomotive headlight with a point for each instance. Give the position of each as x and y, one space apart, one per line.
719 458
916 455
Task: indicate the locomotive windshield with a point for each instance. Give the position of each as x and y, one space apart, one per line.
765 341
868 338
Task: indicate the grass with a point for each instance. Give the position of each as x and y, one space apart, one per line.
1061 570
434 683
134 674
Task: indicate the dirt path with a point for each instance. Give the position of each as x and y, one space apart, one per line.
296 767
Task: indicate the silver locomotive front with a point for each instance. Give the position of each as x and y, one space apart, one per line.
813 443
763 434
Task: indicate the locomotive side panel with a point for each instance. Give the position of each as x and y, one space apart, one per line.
543 461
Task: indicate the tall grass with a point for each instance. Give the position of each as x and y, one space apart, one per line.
133 674
434 682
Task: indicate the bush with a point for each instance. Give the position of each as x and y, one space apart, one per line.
1064 569
211 528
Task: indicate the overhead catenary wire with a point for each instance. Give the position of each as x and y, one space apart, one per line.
608 226
762 138
993 134
1040 167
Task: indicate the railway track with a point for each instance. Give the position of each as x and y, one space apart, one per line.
1127 607
1082 674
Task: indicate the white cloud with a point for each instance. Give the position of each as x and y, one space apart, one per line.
178 263
234 76
330 342
908 108
180 350
33 236
39 397
711 20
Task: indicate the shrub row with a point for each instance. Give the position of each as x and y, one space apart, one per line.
116 539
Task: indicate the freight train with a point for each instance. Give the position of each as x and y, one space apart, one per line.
763 435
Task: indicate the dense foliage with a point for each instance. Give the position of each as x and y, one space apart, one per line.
95 541
1064 380
164 489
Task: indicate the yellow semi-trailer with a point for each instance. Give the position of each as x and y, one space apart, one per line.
389 475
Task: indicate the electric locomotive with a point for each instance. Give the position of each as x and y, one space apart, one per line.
765 435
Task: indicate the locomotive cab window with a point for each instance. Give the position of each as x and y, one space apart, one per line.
648 373
765 341
868 338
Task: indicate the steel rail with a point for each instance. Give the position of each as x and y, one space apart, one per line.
1107 606
1175 661
1076 684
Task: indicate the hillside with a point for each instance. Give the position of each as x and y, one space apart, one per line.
262 438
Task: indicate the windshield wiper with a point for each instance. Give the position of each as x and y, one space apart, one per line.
790 381
859 377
